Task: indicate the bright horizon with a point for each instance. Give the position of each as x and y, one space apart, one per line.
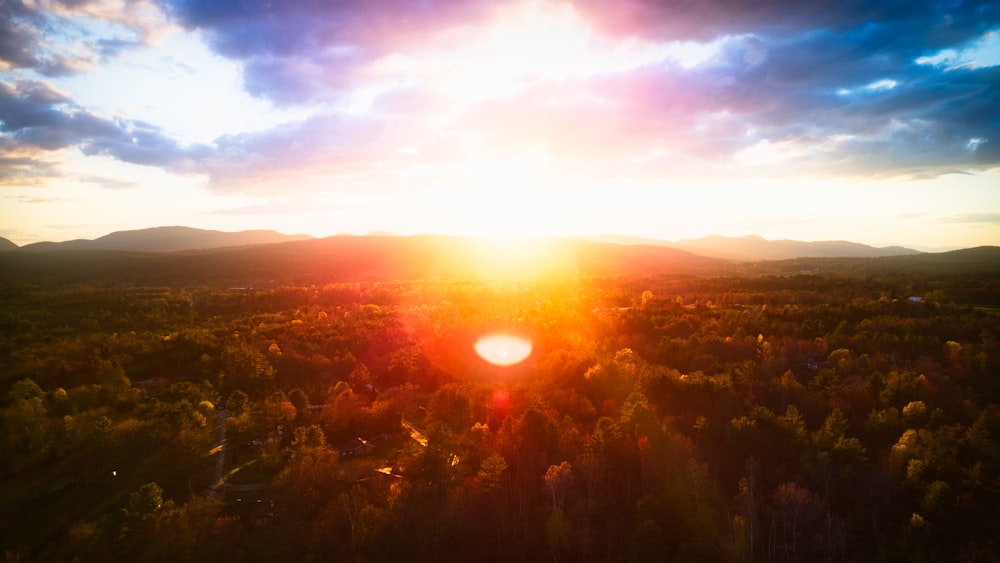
525 118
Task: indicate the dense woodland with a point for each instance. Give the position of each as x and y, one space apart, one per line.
759 415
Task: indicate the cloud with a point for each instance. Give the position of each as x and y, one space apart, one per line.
34 35
18 35
319 77
111 47
992 218
838 83
25 171
110 183
285 28
926 119
35 115
336 150
934 22
298 51
788 88
28 199
662 119
64 65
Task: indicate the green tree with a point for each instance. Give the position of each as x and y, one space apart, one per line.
237 403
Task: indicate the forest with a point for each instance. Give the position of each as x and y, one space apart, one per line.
842 410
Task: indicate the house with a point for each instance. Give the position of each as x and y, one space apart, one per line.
355 448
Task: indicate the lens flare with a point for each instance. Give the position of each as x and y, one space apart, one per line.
503 349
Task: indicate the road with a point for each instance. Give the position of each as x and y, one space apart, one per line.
415 434
218 450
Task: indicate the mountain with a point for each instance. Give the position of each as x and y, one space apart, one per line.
979 266
412 258
353 258
745 249
7 245
423 257
168 239
753 248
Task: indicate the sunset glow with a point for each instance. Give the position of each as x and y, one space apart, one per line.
525 118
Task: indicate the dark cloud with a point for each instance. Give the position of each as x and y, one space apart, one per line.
932 22
304 50
34 115
26 30
857 108
143 143
298 79
790 71
836 79
18 34
285 28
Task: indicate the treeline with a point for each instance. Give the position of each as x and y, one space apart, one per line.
746 418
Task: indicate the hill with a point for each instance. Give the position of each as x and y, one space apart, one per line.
368 258
754 248
168 239
743 249
377 258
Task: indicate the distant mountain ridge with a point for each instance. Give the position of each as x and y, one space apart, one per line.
754 248
168 239
359 258
748 249
435 257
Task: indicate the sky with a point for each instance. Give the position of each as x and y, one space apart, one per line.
874 122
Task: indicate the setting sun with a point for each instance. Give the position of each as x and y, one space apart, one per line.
520 280
519 257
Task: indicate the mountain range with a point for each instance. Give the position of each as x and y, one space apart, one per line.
748 248
753 248
162 239
375 258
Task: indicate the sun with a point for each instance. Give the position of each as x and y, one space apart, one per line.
507 194
513 257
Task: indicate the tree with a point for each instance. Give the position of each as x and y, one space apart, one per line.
299 400
307 440
237 403
491 471
244 367
142 507
558 479
25 421
796 511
